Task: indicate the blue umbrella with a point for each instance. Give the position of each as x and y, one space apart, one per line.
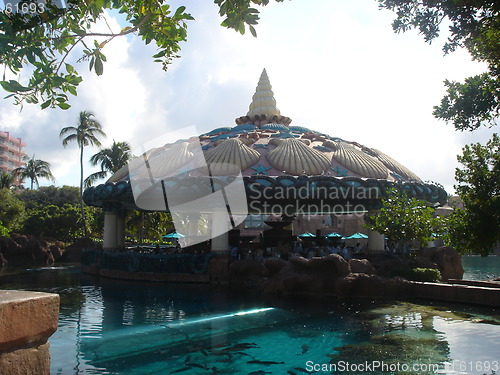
174 235
334 235
306 235
356 236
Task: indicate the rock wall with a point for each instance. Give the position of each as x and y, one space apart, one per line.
333 276
30 250
445 259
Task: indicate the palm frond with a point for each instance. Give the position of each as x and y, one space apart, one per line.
91 179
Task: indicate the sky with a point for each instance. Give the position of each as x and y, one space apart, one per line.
335 66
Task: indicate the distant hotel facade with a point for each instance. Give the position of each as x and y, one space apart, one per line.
11 152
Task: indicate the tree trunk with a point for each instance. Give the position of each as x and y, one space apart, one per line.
141 232
85 231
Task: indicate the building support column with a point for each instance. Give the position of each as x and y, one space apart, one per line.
114 228
375 241
110 229
120 230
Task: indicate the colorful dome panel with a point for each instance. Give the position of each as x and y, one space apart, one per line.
394 165
359 162
230 158
294 157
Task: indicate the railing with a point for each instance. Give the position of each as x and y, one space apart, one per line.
131 261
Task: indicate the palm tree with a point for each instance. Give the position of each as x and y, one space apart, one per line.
7 180
111 160
34 169
85 134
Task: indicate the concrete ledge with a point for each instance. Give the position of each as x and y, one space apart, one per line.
458 293
26 318
483 283
147 276
29 361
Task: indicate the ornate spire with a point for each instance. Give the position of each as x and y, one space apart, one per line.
263 102
263 108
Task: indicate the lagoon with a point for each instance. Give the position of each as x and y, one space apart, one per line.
481 268
119 327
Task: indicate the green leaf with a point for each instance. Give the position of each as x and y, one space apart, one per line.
252 30
179 11
13 86
63 105
45 104
98 66
72 90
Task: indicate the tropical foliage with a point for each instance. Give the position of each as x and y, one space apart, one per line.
86 133
110 160
403 219
60 222
43 38
476 227
12 212
7 180
148 225
34 169
47 195
474 25
52 211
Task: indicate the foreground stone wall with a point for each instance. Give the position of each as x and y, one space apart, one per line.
27 320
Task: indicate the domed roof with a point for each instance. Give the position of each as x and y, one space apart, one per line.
268 151
265 144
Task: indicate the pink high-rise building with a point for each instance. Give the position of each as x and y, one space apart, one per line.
11 152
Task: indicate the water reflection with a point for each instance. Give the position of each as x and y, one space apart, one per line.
116 327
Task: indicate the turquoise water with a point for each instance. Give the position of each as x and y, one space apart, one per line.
117 327
481 268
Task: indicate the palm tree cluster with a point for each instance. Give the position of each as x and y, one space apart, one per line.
33 169
84 134
87 133
110 160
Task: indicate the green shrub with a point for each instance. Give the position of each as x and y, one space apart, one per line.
418 274
4 232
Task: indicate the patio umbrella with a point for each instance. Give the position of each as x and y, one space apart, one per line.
356 236
306 235
334 235
174 235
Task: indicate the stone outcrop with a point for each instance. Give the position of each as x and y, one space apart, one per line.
385 265
3 261
73 252
246 272
314 276
361 285
361 266
22 250
445 259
